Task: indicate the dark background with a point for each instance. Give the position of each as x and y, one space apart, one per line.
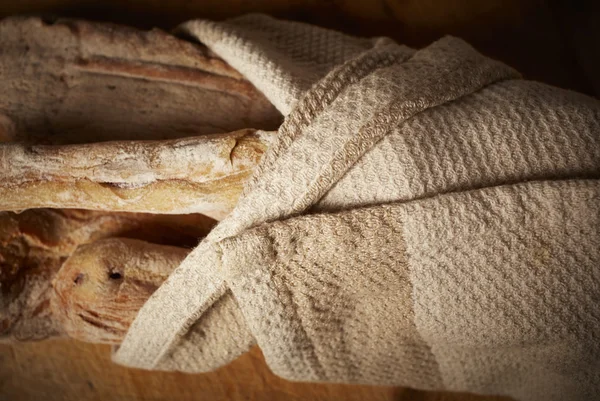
555 41
547 40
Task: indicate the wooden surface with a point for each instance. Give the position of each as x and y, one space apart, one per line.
551 41
67 370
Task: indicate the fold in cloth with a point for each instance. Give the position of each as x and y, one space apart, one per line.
425 218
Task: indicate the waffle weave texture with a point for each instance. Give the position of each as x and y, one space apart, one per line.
425 218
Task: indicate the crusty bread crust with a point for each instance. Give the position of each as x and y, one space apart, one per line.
34 245
72 81
190 175
101 286
116 121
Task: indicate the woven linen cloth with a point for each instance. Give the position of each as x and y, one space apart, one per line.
425 218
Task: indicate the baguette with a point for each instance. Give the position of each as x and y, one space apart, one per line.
191 175
35 243
92 116
102 285
69 81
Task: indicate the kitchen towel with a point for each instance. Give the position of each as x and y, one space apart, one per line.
425 218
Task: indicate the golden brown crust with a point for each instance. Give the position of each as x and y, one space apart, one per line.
124 99
191 175
34 244
102 285
111 82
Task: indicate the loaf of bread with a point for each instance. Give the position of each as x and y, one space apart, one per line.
35 243
101 286
116 121
68 81
190 175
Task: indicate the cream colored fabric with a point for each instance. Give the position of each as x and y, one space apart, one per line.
425 218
